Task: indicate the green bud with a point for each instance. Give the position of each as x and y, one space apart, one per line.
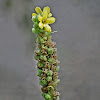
44 38
35 26
57 68
39 70
51 60
38 52
44 82
47 97
45 47
41 57
45 58
49 78
39 74
58 98
50 51
34 18
50 73
41 83
40 64
36 57
56 82
43 94
47 33
34 31
36 23
41 30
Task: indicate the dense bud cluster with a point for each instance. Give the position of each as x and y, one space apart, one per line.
48 65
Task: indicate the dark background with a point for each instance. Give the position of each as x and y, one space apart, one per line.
78 43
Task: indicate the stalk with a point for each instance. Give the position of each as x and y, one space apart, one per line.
45 54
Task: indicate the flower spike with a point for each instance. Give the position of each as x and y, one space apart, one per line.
45 53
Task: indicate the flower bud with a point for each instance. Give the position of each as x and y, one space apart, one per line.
47 33
35 26
41 83
44 38
34 31
47 97
34 18
36 57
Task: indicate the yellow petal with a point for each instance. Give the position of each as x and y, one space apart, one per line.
46 9
45 14
41 25
40 18
50 20
47 28
33 14
38 10
49 15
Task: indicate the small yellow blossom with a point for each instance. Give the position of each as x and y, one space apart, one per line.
44 17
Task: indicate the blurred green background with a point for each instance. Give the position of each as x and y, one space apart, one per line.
78 43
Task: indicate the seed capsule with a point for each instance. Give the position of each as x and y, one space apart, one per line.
53 68
47 65
56 62
42 40
50 73
53 56
51 60
57 68
50 51
51 83
40 65
50 88
43 57
37 52
44 81
49 78
43 51
45 70
55 93
44 89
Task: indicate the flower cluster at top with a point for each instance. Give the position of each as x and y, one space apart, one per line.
42 20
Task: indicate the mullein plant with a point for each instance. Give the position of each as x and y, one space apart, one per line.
45 53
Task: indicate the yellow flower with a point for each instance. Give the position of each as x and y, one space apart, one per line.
46 19
38 10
